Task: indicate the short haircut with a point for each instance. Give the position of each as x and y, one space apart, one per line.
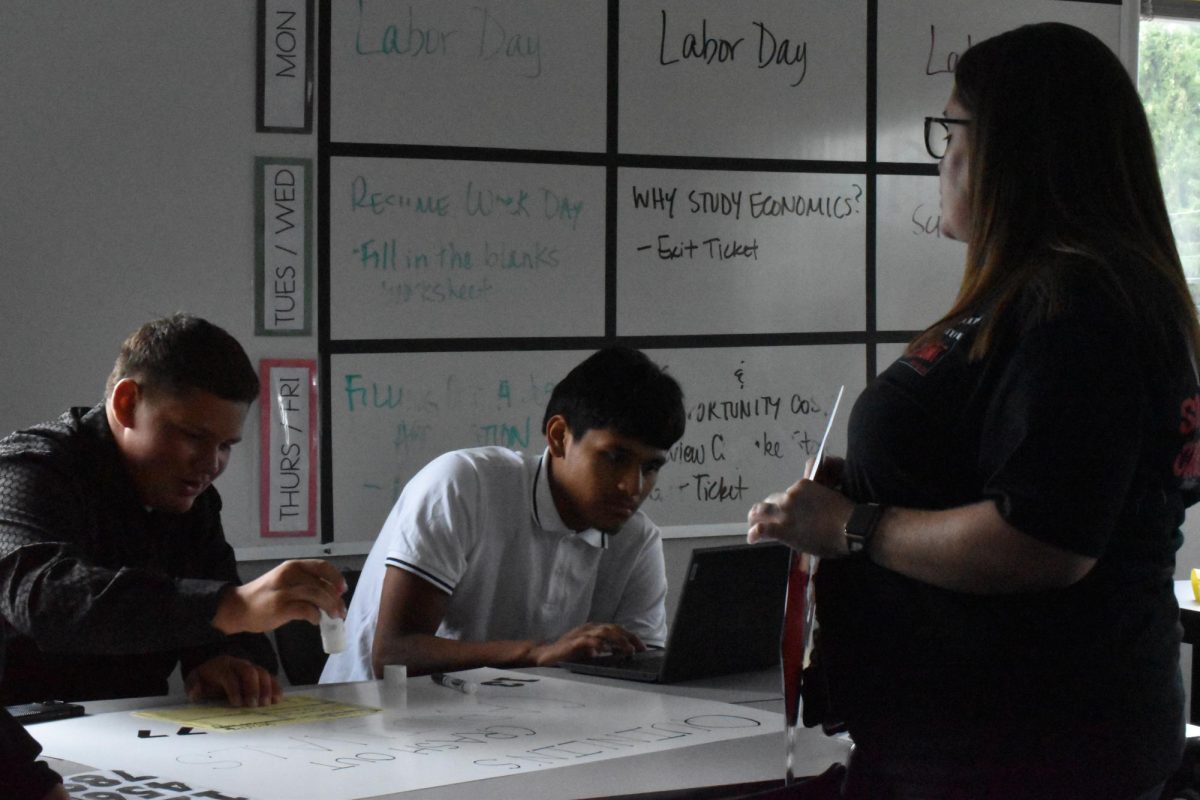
619 388
180 353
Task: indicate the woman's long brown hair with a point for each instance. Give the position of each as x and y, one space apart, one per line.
1062 171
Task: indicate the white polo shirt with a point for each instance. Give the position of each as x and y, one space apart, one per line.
481 525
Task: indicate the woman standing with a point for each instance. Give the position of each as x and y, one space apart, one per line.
996 610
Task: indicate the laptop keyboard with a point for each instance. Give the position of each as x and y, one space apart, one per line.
648 661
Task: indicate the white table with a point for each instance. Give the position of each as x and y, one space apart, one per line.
1189 618
740 761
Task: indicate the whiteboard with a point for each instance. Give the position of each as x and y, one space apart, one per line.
496 74
920 41
393 413
704 252
767 79
754 416
426 248
917 270
886 354
98 166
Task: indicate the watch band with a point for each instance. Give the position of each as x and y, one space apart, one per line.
861 526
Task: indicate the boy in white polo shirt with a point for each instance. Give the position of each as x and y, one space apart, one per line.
504 559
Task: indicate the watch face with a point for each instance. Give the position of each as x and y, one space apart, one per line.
860 522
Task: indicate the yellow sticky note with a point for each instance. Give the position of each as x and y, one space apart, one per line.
1196 584
291 710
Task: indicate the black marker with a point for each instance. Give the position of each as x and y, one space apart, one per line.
451 682
27 713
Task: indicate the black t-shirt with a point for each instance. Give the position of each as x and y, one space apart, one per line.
1082 441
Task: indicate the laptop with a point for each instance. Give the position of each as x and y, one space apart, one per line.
728 619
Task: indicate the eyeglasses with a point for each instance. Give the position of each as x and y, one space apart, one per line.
937 134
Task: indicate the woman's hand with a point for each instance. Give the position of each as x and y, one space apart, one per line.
808 516
829 473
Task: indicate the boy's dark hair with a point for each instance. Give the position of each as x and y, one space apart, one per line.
621 389
179 353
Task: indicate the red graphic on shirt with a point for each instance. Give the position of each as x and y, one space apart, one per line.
1189 415
1187 463
922 360
925 357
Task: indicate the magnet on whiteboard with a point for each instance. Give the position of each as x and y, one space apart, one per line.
333 633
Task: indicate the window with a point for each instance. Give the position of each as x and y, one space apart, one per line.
1169 83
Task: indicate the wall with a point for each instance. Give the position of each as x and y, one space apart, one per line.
127 192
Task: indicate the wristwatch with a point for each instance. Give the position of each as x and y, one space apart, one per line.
864 519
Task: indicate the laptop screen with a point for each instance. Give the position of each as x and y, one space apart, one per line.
728 619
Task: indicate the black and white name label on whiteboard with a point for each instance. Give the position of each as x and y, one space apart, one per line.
283 230
524 75
739 252
920 42
288 426
429 248
754 416
775 79
285 66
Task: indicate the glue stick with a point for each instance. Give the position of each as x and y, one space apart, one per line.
333 633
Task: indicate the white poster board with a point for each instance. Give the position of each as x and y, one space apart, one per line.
424 736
